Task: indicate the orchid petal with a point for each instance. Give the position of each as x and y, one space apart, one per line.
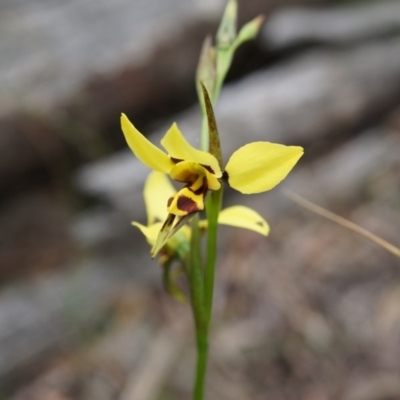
244 217
143 149
179 149
150 232
187 171
186 202
157 191
260 166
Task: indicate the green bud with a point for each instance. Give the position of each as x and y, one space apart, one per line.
249 31
226 33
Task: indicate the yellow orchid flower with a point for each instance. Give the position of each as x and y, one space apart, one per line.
254 168
158 189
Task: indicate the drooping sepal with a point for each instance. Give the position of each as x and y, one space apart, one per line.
241 217
150 232
157 190
244 217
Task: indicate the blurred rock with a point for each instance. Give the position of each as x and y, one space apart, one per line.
58 310
340 175
50 49
342 25
34 235
378 388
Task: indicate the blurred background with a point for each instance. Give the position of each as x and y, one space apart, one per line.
312 312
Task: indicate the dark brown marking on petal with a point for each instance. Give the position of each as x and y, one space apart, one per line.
186 204
175 160
202 189
170 201
225 176
199 190
208 168
168 222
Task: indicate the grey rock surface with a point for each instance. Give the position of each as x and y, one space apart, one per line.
57 310
331 25
49 48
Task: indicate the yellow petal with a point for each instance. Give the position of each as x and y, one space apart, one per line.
212 182
157 191
188 172
143 149
244 217
150 232
259 166
186 202
179 149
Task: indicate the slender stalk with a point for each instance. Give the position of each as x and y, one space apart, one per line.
196 283
202 288
201 366
196 278
213 207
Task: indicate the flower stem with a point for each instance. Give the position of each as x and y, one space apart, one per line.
196 283
209 140
201 366
202 302
213 207
196 278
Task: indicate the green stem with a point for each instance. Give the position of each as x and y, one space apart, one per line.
203 318
213 207
196 283
201 366
195 274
